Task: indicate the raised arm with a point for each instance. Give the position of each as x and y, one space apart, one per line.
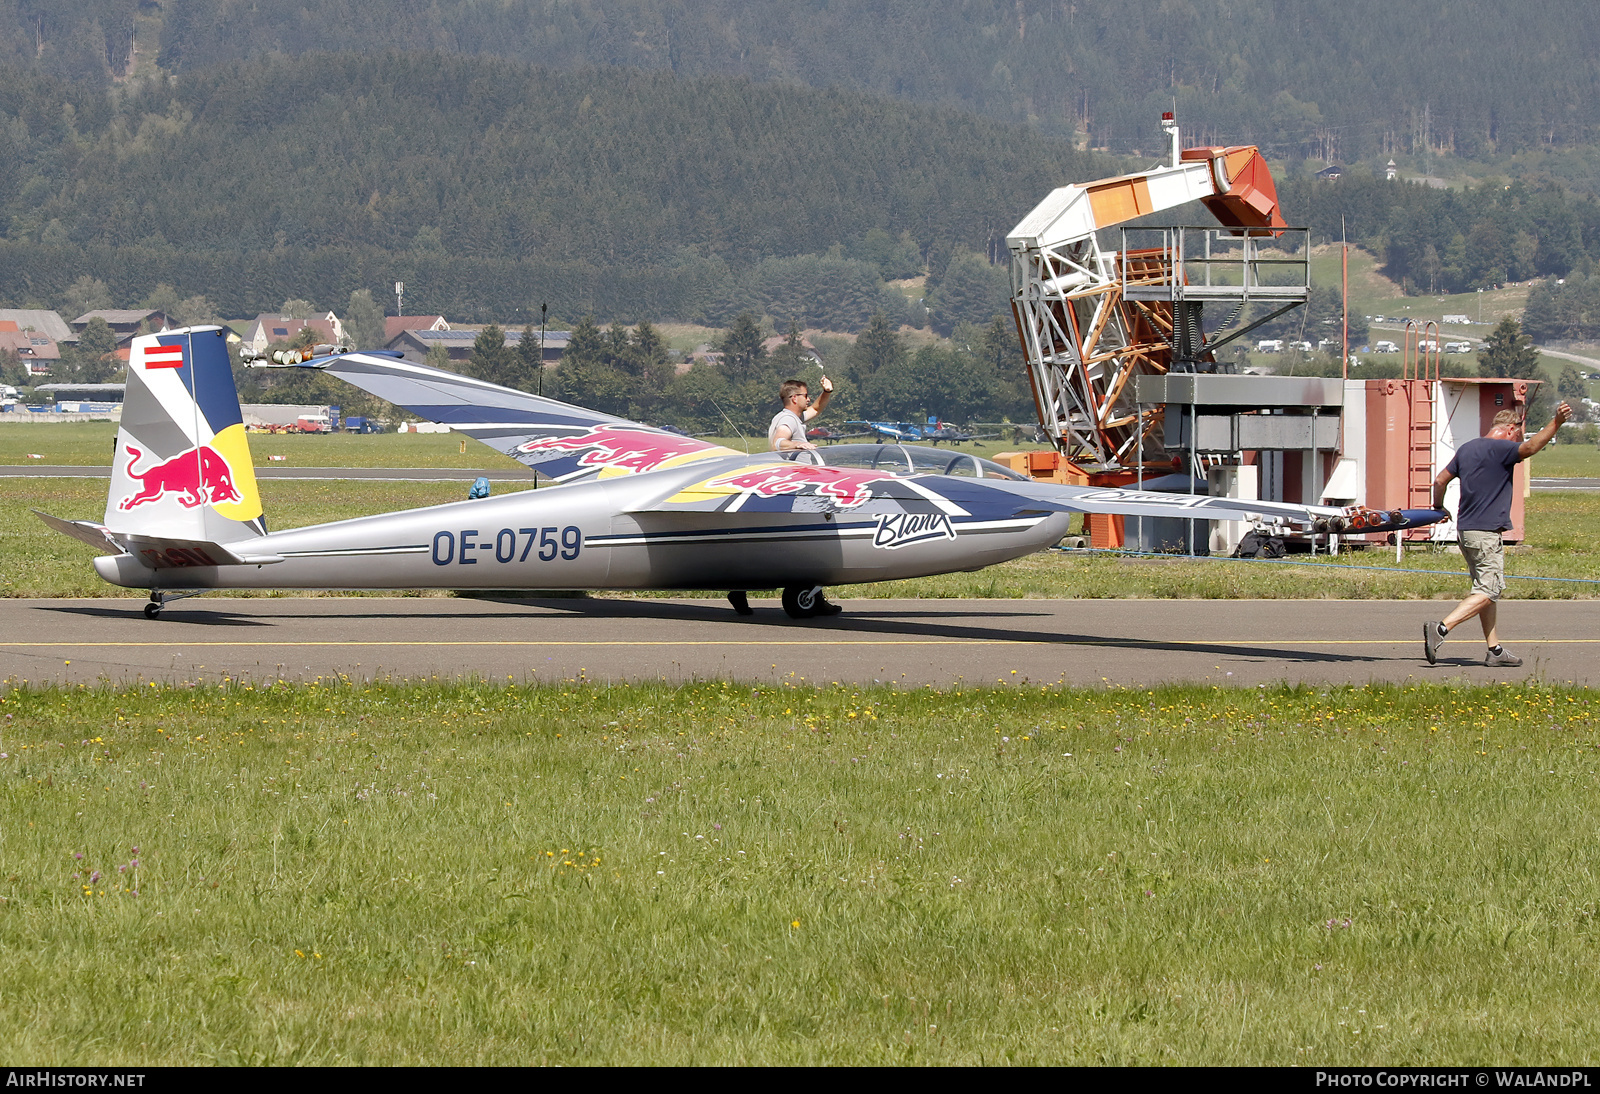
817 407
1545 435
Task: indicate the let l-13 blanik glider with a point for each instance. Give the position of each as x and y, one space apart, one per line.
627 506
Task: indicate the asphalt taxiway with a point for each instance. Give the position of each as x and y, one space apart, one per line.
905 642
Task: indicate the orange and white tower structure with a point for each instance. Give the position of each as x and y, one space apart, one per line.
1092 318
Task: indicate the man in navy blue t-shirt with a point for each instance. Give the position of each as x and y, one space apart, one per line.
1484 467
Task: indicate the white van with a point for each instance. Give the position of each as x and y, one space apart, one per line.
1385 347
1270 345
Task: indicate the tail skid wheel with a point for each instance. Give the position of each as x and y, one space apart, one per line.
803 601
160 599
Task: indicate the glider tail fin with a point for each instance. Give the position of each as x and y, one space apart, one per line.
182 467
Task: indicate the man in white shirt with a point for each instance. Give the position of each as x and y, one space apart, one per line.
786 434
788 429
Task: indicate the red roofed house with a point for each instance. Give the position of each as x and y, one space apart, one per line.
268 329
396 325
35 350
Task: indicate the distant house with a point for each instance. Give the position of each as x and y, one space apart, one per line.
1390 171
124 322
396 325
413 345
1331 172
36 350
47 323
267 329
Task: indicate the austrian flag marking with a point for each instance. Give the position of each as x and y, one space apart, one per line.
163 357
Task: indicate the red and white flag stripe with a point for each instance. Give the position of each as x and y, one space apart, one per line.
163 357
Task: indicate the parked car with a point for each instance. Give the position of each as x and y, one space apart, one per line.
1458 347
1270 345
1385 347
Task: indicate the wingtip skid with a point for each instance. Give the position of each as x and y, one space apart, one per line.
1360 519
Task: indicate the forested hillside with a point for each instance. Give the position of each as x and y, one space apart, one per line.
1452 240
488 185
1342 78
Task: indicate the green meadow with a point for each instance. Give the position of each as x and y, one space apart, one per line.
479 873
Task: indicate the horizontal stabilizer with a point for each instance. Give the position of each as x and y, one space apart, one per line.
91 532
167 554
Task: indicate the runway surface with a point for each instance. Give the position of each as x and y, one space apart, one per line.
907 642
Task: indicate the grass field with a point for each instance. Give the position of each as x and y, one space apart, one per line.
1371 293
500 874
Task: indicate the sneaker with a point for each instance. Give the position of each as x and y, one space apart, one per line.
1505 659
740 602
1431 641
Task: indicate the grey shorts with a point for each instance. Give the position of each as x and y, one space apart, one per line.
1486 562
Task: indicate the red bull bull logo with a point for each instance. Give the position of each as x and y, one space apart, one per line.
845 487
199 476
614 446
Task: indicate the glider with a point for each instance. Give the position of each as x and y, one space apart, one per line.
624 505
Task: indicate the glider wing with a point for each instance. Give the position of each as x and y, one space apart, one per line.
560 441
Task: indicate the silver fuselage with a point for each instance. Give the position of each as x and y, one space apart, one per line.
583 536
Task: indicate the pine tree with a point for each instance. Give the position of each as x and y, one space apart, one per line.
586 377
877 348
1508 353
491 360
526 364
790 358
744 351
655 372
621 353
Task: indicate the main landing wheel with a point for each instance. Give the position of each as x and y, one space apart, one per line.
807 601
